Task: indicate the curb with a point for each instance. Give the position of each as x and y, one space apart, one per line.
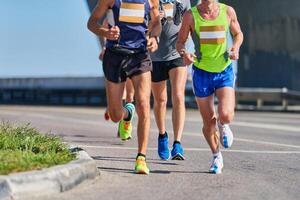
48 181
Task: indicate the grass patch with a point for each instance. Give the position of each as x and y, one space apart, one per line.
23 148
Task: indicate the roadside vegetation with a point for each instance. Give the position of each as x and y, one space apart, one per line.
23 148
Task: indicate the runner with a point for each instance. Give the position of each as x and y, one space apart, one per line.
126 56
209 22
128 94
167 64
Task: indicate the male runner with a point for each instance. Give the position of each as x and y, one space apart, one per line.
126 56
209 22
167 64
128 94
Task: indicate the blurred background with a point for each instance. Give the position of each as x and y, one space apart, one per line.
47 55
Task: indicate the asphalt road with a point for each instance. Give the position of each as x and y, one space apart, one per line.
264 162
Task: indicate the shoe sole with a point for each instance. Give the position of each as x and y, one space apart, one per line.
141 172
178 156
126 139
165 159
216 172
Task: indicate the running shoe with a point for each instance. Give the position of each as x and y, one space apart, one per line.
141 166
177 152
217 164
226 136
125 127
163 147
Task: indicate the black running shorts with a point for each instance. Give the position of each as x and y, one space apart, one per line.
161 69
118 67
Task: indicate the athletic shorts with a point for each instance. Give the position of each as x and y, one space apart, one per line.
117 68
206 83
161 69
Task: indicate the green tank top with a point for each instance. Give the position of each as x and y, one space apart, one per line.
211 41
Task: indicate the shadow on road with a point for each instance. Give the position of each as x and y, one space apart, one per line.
132 159
130 171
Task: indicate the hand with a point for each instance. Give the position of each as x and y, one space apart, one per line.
102 54
151 44
233 53
113 33
188 58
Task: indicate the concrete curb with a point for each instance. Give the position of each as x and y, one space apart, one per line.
53 180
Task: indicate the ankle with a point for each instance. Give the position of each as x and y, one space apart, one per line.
140 154
163 135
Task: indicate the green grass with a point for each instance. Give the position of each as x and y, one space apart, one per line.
23 148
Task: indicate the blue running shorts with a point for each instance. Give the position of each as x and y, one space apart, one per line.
206 83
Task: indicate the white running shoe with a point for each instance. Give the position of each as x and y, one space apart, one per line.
226 136
217 164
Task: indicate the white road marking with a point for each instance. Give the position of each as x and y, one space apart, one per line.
248 140
190 149
197 134
254 125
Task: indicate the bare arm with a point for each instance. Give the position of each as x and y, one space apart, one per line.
103 41
97 14
154 27
154 24
186 29
236 32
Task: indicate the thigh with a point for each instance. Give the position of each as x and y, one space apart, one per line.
114 93
142 86
159 90
129 87
178 78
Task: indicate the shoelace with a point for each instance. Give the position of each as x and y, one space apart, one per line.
141 162
225 128
126 125
216 162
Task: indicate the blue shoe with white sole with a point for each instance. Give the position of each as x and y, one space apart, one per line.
177 152
163 147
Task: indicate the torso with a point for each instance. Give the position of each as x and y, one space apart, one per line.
167 45
132 26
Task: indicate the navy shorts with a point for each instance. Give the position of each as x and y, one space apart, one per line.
206 83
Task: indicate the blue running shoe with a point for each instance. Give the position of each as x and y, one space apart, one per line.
163 147
177 152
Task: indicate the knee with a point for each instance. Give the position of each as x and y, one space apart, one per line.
178 98
161 101
226 116
143 108
115 114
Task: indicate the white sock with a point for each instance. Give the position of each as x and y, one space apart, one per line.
215 155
